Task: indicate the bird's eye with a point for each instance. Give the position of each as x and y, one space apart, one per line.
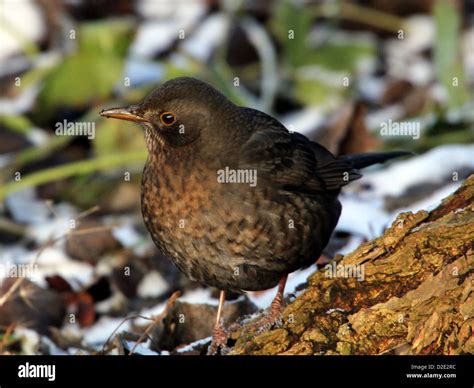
167 118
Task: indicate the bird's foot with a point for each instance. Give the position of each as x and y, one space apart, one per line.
270 320
219 341
274 317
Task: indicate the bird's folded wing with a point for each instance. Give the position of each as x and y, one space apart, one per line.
292 162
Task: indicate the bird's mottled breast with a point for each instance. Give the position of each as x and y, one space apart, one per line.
210 228
173 200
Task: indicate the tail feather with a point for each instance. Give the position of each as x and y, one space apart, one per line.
358 161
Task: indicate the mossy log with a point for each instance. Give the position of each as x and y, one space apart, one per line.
416 296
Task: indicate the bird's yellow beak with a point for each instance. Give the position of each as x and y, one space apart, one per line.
127 113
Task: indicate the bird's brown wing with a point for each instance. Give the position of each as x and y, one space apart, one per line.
291 161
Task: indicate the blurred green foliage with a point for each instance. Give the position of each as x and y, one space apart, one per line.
341 56
291 25
113 135
447 56
16 123
311 64
89 74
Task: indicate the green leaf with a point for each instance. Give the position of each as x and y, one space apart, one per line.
313 91
89 75
31 77
449 70
222 76
340 56
82 167
18 124
115 136
112 37
291 26
81 80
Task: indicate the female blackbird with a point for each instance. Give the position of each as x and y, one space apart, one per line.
232 197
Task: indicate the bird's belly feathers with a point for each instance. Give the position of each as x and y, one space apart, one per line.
233 236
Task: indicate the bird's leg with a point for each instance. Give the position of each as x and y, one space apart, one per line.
276 308
219 335
274 316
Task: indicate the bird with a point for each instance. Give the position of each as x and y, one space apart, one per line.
230 195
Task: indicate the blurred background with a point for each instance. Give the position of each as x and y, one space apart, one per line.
355 76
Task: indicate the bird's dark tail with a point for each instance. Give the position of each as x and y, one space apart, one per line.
358 161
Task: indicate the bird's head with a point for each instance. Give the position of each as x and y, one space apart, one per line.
180 112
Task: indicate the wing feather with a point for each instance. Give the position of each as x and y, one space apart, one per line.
290 160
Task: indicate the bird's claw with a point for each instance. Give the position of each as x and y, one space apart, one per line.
219 342
268 322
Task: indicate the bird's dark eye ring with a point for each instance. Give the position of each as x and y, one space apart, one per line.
167 118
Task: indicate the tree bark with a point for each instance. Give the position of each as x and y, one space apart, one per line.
416 296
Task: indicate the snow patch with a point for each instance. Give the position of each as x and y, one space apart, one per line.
208 35
194 345
263 299
26 20
30 340
127 235
97 334
140 349
434 166
152 285
303 121
199 295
